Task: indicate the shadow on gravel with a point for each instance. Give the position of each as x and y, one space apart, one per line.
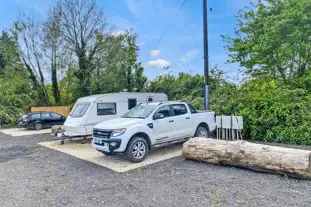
15 152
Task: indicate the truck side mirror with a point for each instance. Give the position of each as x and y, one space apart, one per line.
158 116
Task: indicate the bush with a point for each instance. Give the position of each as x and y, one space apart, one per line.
276 114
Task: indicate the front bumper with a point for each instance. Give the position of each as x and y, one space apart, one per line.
105 145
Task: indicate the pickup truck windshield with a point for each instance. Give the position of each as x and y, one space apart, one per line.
140 112
79 110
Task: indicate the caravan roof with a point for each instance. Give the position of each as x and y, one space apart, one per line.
93 98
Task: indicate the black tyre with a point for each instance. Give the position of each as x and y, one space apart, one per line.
202 131
137 150
38 126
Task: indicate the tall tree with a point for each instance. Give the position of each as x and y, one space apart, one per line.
53 47
28 34
273 39
81 22
118 65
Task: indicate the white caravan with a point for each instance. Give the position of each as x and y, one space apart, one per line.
89 111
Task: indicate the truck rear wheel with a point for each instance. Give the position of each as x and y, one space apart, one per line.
202 131
137 150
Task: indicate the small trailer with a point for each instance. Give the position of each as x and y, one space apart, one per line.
91 110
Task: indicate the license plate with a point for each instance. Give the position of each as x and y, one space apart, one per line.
98 141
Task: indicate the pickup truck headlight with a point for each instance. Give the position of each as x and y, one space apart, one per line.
117 132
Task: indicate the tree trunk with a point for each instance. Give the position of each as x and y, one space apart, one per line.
265 158
32 76
83 76
56 92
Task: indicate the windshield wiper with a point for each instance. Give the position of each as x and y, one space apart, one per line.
139 117
133 117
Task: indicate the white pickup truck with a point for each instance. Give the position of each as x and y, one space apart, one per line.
151 125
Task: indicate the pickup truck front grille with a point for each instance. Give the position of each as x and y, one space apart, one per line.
101 133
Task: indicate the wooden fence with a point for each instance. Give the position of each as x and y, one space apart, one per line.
63 110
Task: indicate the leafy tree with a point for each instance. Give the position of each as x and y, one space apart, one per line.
14 83
273 39
82 22
118 65
191 89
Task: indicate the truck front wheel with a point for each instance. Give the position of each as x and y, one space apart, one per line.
137 150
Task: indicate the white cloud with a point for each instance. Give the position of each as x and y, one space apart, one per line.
118 33
189 55
154 53
159 63
131 5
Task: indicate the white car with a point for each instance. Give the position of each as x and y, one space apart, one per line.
151 125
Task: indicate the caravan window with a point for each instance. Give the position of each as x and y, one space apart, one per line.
106 109
131 103
79 110
150 99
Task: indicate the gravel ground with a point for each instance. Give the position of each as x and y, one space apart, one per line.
31 175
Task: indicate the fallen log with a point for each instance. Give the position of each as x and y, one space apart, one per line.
259 157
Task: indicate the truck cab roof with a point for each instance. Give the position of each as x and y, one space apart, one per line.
164 102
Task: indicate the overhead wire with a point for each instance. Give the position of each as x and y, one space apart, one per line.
165 31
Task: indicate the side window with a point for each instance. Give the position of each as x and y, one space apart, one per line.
56 116
45 115
131 103
192 109
149 99
165 110
106 109
35 116
179 109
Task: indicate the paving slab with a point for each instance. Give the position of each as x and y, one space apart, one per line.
115 163
17 132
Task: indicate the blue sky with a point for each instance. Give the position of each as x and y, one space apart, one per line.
182 46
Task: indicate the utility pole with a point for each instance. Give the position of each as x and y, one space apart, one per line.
205 37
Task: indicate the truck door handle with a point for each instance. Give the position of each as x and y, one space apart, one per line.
188 118
171 121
